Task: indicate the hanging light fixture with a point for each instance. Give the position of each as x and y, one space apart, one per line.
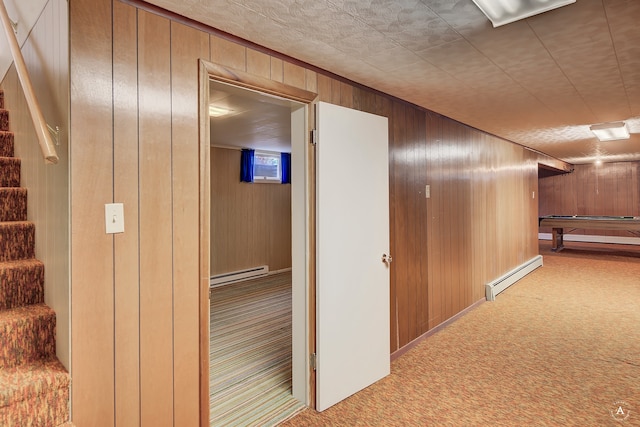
501 12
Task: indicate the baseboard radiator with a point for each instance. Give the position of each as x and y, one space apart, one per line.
503 282
236 276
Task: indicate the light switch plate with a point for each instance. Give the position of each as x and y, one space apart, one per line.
114 217
427 191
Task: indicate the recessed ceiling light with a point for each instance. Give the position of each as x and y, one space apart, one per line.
610 131
501 12
217 111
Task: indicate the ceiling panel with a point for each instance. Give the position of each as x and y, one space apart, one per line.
539 82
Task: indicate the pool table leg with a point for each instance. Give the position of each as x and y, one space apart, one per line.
557 239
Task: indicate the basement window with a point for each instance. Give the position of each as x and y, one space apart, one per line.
267 167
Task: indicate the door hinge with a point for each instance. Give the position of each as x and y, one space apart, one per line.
314 136
312 361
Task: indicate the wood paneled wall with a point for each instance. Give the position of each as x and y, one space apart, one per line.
250 223
134 139
46 55
606 189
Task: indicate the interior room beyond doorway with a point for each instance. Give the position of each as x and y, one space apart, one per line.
251 238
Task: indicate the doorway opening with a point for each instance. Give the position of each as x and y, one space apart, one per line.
256 344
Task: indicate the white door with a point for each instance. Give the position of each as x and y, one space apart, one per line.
352 317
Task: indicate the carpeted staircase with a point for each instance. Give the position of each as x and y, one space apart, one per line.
34 386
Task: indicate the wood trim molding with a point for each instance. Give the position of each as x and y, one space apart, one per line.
249 81
430 332
205 241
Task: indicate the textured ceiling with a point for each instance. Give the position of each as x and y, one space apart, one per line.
255 120
539 82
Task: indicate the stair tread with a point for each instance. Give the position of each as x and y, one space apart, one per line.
15 223
31 379
20 263
20 314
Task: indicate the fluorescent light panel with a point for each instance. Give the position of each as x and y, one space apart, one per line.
501 12
610 131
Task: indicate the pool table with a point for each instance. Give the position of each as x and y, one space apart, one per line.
559 222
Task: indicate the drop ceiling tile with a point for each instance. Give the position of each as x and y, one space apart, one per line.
587 58
625 31
410 22
538 82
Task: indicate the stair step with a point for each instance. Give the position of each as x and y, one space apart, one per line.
9 172
13 204
17 240
6 144
4 119
27 334
21 283
36 394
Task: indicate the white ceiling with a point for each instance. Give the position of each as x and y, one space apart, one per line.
255 120
539 82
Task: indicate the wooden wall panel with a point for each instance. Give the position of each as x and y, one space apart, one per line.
156 230
294 75
258 63
480 194
250 223
187 46
91 168
225 52
276 69
126 190
607 189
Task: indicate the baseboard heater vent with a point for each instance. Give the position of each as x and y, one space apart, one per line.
503 282
235 276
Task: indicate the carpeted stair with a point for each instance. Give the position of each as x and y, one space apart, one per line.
34 386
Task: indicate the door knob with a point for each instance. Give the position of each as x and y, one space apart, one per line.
387 258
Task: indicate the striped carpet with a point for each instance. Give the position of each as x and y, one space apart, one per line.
559 348
250 353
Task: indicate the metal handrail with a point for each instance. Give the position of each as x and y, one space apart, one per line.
46 143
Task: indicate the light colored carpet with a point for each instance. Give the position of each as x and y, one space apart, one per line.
250 353
559 348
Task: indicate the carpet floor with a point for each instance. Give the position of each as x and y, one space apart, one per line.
559 348
250 353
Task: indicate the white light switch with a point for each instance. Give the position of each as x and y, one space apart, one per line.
427 191
114 217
